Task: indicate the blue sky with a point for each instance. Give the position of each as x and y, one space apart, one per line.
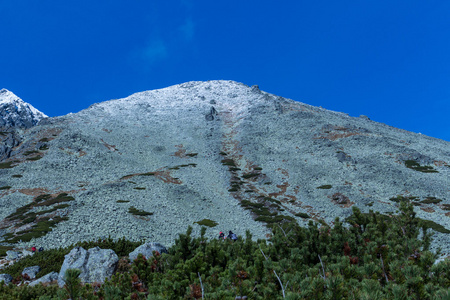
389 60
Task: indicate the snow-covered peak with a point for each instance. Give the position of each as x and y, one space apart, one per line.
14 112
7 96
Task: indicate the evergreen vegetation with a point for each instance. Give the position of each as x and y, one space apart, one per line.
414 165
6 165
138 212
371 256
207 222
325 187
302 215
123 201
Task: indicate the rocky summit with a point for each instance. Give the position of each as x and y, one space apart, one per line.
217 154
14 112
15 115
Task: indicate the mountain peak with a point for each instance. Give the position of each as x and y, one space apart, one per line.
7 96
14 112
186 98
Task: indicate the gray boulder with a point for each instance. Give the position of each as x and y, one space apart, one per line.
147 250
27 253
6 278
45 279
31 271
10 255
95 264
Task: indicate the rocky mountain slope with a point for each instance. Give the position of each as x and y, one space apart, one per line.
216 152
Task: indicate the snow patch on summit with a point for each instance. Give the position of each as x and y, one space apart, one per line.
15 112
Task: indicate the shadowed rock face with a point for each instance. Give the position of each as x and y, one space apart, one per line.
15 116
149 165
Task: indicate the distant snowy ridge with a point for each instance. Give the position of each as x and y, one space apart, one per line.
14 112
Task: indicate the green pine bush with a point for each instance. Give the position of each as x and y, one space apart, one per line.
367 256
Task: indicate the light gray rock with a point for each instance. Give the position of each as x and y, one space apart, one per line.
45 279
6 278
10 255
31 271
95 264
147 250
27 253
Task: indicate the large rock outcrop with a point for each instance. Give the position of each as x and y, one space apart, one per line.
95 264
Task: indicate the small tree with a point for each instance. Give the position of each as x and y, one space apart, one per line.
72 287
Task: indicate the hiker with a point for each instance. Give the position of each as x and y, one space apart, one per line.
221 236
41 249
33 249
232 236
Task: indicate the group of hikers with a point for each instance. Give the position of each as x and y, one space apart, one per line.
232 236
33 249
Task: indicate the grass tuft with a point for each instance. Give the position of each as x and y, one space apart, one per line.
433 225
6 165
431 200
412 164
302 215
250 205
63 197
34 158
325 187
40 229
30 152
250 175
228 162
207 222
400 198
138 212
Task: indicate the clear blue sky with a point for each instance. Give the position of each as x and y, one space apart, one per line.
389 60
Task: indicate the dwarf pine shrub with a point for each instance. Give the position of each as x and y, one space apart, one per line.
369 256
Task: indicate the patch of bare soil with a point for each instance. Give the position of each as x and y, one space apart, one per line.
341 200
338 132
